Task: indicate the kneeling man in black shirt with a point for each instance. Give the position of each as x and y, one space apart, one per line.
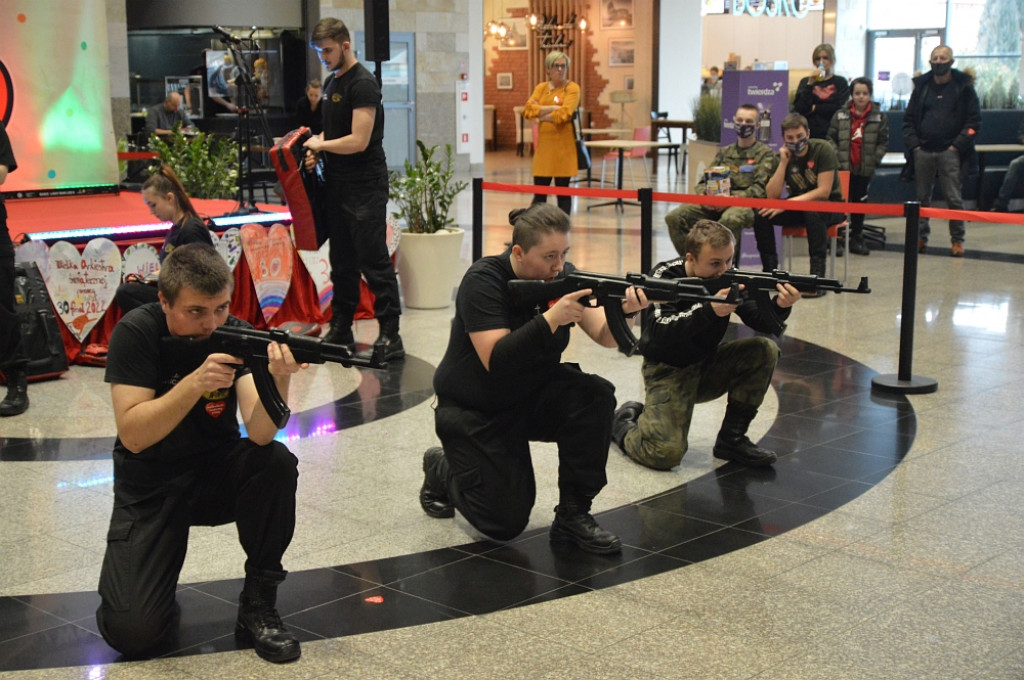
180 460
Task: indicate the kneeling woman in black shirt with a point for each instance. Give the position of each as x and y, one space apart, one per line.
501 384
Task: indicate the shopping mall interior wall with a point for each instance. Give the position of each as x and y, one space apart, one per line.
764 38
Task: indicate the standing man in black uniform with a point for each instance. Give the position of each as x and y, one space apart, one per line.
356 193
501 384
180 461
12 357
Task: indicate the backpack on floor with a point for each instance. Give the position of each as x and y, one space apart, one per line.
40 333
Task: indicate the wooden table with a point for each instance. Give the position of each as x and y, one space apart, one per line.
588 134
622 145
658 123
982 150
896 159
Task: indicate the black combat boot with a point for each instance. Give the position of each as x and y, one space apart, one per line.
259 622
817 269
733 444
389 337
574 524
769 262
340 333
16 401
623 421
858 246
434 492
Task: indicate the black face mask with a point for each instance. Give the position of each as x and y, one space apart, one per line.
941 69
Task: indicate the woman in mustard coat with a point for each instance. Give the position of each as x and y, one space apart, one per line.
552 105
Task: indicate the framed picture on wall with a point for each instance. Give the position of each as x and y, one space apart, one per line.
504 81
616 14
517 34
620 52
628 83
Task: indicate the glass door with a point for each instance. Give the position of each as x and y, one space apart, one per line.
894 56
398 88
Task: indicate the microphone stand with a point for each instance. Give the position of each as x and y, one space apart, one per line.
248 107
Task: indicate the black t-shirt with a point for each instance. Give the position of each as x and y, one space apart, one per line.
484 303
305 116
355 89
191 230
802 173
140 355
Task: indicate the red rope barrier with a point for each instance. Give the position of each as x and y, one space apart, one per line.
559 191
895 210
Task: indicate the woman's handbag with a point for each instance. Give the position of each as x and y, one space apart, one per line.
582 152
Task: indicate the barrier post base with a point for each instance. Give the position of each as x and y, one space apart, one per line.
917 384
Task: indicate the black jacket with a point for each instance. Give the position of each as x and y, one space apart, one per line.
689 332
968 112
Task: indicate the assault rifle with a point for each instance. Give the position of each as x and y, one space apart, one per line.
609 291
805 283
249 344
757 286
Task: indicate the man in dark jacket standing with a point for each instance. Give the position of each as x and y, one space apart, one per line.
942 120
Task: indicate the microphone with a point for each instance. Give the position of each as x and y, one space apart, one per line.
225 35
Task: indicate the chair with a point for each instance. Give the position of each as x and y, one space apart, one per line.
524 133
665 135
833 233
640 134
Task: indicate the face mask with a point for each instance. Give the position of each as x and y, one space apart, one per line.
797 148
745 131
941 69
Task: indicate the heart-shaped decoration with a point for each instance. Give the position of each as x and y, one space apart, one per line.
229 245
318 264
140 259
269 255
82 285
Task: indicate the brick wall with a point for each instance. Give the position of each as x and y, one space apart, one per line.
517 63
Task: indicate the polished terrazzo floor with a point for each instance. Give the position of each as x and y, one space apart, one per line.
888 542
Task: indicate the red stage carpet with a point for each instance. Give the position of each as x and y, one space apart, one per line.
32 215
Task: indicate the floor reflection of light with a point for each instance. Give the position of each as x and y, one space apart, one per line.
294 433
983 315
86 483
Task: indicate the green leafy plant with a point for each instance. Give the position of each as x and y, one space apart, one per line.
707 118
207 165
425 191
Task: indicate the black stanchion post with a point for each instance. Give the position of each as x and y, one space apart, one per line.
646 198
905 382
478 218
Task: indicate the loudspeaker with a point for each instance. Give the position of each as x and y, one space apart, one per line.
378 30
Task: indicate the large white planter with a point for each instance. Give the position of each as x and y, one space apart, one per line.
427 266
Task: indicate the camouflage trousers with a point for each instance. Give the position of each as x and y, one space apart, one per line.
742 369
682 219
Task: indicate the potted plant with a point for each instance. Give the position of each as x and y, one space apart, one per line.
429 250
707 125
207 165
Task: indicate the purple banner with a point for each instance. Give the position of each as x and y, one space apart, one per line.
768 91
